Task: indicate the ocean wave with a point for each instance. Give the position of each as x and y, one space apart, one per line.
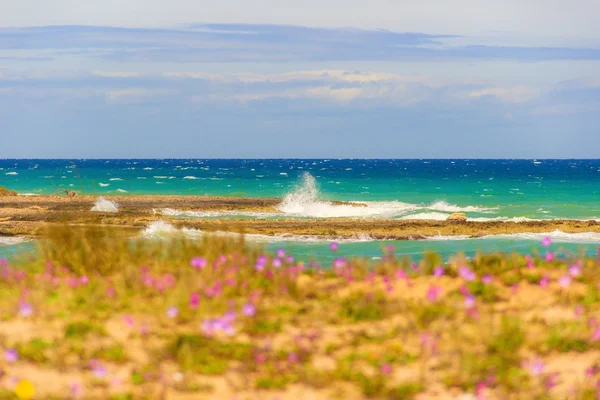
105 205
436 216
164 230
304 201
557 236
115 179
103 184
170 212
190 177
12 173
12 240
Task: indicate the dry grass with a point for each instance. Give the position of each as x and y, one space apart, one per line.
101 316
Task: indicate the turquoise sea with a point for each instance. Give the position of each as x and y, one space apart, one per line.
508 190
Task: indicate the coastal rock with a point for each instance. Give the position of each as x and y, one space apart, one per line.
457 217
4 192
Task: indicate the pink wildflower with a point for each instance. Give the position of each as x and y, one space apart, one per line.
514 289
438 271
249 310
172 312
76 390
433 293
549 256
334 246
194 300
467 274
544 281
596 335
84 280
551 381
575 270
128 319
293 358
535 367
276 263
480 391
469 301
486 279
579 310
25 309
546 241
529 261
565 281
386 369
11 355
260 358
280 253
198 263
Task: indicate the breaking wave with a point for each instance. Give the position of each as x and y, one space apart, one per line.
104 205
305 201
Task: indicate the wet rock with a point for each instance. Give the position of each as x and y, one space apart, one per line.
457 217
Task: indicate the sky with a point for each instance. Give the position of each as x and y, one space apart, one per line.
310 79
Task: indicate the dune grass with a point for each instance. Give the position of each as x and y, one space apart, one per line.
97 315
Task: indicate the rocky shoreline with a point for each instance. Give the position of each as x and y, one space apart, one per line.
28 215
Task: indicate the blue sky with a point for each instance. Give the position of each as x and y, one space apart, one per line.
325 79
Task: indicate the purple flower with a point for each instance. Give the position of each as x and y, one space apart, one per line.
469 301
549 256
229 316
172 312
98 369
574 270
546 241
438 271
333 246
280 253
536 367
249 310
25 309
208 327
339 263
11 355
467 274
391 249
84 280
486 279
565 281
276 263
544 281
198 263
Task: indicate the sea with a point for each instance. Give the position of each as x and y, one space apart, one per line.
485 190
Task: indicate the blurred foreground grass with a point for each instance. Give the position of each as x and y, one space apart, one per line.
98 315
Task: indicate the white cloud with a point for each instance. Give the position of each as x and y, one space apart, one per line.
510 95
135 94
108 74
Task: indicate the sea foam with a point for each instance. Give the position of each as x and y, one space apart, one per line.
104 205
